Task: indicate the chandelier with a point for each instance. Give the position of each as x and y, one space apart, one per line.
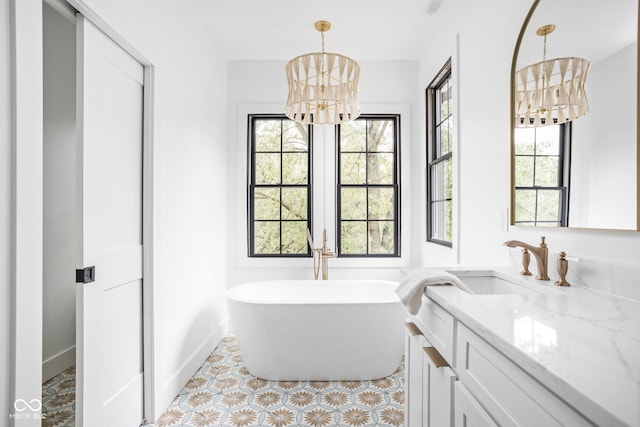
322 86
552 91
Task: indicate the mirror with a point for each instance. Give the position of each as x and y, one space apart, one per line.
583 174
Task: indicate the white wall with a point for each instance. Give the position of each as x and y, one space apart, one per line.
59 222
261 87
5 210
483 66
481 60
603 192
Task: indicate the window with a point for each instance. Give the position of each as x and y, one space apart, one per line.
367 190
440 158
541 171
279 186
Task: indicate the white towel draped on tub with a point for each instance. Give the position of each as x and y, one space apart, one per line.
412 286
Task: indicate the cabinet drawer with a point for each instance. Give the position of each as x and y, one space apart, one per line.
468 411
510 395
437 326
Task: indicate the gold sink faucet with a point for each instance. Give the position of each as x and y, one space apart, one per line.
540 253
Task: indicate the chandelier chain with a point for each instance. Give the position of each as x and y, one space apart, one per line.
323 73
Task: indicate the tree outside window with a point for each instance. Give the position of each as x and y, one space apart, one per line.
368 187
280 187
540 175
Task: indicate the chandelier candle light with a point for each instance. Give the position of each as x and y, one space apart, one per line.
552 91
322 86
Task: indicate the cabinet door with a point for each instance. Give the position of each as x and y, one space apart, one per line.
429 383
510 395
437 389
468 411
413 379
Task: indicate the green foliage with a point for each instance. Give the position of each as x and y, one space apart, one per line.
548 205
351 233
353 168
280 195
353 203
281 176
367 157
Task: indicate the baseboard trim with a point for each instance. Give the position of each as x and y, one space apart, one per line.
172 387
58 363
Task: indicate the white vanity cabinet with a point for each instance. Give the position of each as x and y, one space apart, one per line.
429 382
509 395
474 384
468 412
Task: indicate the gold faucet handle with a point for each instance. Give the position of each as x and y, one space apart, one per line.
563 269
526 258
310 240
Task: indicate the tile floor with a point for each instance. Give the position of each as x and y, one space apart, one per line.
223 393
59 400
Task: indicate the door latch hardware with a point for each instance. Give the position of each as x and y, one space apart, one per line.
86 275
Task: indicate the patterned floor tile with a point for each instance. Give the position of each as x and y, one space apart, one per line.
59 400
223 393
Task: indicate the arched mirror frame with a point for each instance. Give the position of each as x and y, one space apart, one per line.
512 113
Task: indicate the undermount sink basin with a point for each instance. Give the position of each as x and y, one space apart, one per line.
487 282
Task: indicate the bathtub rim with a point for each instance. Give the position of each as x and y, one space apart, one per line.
390 298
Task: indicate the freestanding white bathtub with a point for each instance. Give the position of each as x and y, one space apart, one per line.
318 330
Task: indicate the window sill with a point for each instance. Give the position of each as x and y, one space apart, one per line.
341 263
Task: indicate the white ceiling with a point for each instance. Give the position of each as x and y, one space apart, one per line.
383 29
282 29
589 29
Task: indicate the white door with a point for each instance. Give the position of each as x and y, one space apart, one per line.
109 309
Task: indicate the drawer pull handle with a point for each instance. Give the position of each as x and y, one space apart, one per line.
412 328
435 357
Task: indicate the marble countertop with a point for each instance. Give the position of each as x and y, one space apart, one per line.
582 344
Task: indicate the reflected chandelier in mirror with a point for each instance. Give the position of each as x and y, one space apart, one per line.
567 172
551 91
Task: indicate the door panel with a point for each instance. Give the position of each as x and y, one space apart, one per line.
109 310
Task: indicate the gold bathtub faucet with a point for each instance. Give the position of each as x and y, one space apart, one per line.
540 253
323 254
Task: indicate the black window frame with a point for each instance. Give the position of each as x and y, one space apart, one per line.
251 172
396 119
432 159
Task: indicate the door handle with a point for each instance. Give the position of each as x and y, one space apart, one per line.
412 329
86 275
435 357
